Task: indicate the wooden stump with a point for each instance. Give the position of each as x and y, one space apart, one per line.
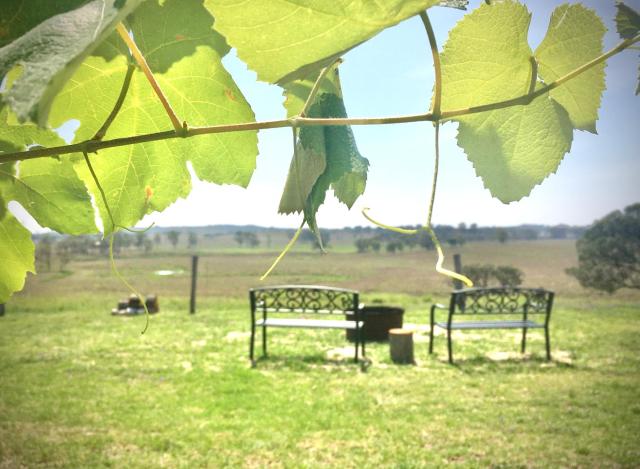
401 345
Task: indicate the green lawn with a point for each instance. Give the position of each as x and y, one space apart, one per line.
80 388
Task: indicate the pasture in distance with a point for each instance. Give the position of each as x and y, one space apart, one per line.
83 389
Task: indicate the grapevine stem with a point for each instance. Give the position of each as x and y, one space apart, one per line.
93 145
437 95
116 108
436 168
427 227
140 60
112 237
316 87
286 249
386 227
527 98
437 99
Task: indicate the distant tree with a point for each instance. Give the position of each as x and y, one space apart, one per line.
140 239
362 245
529 234
424 240
502 235
484 275
148 246
44 252
462 226
508 276
239 237
393 246
157 239
192 239
558 232
173 236
480 274
246 237
64 251
375 245
252 240
609 252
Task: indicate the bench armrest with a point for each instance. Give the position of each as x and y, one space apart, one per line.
438 306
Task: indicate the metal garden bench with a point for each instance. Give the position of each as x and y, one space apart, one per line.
480 308
309 303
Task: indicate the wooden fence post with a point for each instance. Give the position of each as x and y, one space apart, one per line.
194 279
457 266
1 309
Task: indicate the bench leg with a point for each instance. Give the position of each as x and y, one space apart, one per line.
363 348
431 340
548 343
357 344
449 347
252 341
524 340
264 340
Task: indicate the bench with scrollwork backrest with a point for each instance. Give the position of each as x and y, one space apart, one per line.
316 307
480 307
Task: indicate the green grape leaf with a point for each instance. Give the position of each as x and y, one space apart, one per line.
26 14
326 157
48 188
296 92
284 40
307 165
628 26
49 53
352 184
515 149
574 37
487 59
627 21
143 178
17 255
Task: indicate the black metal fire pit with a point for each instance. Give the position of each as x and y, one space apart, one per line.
377 322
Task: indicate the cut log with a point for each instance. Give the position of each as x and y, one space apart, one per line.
401 345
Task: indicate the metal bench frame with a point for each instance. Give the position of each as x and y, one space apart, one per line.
304 300
479 302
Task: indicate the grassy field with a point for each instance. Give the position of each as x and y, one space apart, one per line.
80 388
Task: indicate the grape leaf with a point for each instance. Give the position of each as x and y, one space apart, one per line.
49 53
325 157
574 37
627 21
17 255
515 149
26 14
284 40
307 165
353 183
487 59
143 178
296 92
628 26
48 188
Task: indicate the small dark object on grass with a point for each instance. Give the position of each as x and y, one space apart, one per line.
133 306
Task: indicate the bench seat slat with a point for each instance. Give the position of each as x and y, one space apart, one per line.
309 323
492 325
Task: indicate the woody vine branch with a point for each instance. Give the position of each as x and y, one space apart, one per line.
92 146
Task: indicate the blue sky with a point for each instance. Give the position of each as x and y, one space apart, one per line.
392 74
